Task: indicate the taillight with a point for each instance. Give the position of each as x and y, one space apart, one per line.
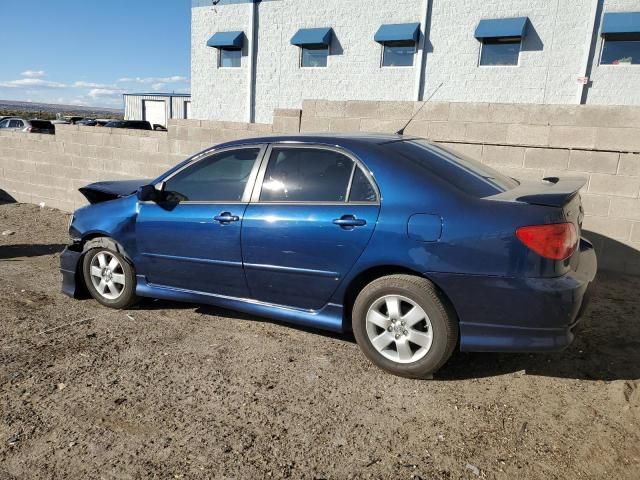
28 129
556 241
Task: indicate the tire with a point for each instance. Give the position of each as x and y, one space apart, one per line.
115 285
377 316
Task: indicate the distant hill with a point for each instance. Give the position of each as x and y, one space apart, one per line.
49 110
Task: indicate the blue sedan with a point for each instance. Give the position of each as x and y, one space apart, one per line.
416 249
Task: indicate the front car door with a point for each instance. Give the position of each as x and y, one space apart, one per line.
312 213
191 239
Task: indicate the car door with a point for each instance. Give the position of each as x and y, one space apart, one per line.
191 238
16 124
312 214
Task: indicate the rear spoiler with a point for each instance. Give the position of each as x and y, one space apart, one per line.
551 191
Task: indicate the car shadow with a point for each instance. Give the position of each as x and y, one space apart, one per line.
606 346
8 252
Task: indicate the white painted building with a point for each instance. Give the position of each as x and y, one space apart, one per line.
249 58
157 108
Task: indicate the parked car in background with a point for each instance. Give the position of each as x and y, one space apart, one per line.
414 248
27 126
72 119
88 122
102 122
133 124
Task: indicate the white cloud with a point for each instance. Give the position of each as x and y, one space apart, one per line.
33 73
152 80
32 82
82 84
105 92
158 86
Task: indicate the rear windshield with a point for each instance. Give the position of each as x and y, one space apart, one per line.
464 173
41 124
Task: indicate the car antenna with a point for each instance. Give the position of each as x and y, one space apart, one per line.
401 131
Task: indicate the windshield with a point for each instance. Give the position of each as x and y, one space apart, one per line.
464 173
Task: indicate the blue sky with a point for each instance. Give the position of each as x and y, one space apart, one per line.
89 52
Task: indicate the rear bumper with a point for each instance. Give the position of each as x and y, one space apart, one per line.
499 314
69 261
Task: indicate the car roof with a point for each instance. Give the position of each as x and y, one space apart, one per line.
338 139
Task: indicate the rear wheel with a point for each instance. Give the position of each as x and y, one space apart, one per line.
108 276
403 326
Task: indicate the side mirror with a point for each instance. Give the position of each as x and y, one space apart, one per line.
149 193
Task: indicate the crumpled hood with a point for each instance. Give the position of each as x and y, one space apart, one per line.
110 190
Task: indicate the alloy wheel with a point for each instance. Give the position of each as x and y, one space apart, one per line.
107 275
399 329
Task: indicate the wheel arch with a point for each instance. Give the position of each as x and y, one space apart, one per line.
103 239
369 275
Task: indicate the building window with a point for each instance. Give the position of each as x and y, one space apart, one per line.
621 33
398 42
500 40
500 51
229 58
314 46
314 56
398 54
621 51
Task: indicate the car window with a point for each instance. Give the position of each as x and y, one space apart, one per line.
306 175
4 124
16 124
222 177
361 188
41 124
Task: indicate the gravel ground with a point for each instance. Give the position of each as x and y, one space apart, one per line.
180 391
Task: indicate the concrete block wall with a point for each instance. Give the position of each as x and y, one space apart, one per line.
599 143
51 168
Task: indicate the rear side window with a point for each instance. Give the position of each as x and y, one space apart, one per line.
16 124
306 175
222 177
464 173
361 188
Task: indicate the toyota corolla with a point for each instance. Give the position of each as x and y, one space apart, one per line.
414 248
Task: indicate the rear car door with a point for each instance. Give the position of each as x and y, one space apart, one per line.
311 215
191 239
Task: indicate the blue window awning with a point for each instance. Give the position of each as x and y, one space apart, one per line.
312 36
620 23
398 32
226 40
502 28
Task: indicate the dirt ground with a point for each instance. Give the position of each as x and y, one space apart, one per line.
179 391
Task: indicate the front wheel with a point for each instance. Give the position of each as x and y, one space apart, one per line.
109 278
402 325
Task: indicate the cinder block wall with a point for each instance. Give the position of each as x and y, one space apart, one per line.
599 143
51 168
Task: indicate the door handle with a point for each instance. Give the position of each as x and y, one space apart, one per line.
226 217
347 222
